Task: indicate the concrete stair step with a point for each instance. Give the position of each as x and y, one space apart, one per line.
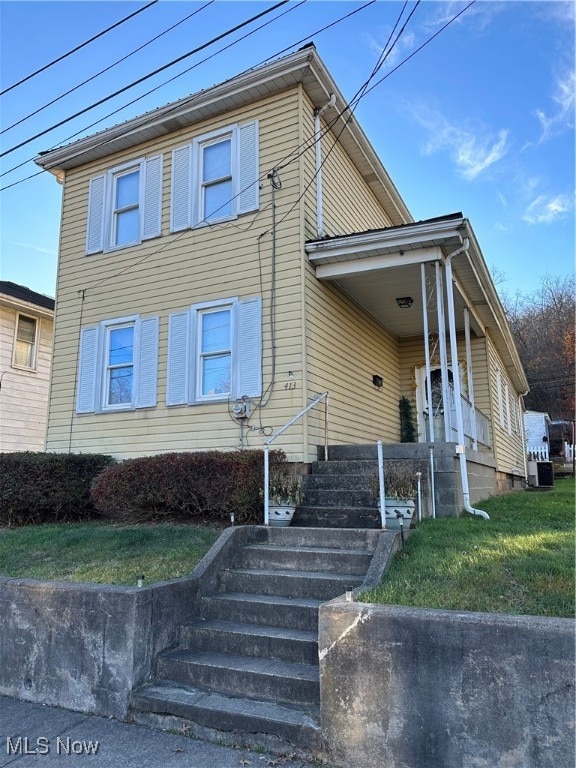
267 610
347 538
323 497
365 466
283 643
328 559
253 720
337 517
337 482
260 678
317 584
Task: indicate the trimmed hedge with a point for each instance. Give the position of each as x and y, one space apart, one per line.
47 487
204 486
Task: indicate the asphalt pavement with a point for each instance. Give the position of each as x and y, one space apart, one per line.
49 737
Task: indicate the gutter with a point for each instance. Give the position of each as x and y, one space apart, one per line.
461 449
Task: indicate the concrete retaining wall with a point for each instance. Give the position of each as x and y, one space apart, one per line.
85 646
411 688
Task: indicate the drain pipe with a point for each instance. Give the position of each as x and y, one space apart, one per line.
461 449
317 112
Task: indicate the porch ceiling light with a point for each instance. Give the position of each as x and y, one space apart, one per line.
405 302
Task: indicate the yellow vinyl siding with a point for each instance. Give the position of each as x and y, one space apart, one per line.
24 403
172 272
349 203
508 448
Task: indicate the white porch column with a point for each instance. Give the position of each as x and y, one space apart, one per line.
427 351
470 377
443 353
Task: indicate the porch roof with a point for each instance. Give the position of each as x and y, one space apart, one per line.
376 267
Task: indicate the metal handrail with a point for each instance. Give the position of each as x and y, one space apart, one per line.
278 432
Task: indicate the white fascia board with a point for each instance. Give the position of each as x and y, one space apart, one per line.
26 307
337 269
393 239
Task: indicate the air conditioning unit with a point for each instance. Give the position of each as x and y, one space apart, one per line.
540 474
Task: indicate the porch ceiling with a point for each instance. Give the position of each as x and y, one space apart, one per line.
376 267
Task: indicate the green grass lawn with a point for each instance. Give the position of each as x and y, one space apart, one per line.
519 562
103 553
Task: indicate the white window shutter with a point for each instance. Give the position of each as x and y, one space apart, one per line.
249 350
178 369
249 171
147 363
95 223
88 370
152 203
181 189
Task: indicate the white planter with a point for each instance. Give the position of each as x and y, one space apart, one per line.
399 510
280 515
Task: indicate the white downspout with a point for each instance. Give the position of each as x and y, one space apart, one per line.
457 391
317 139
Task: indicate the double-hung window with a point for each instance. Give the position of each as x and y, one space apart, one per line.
118 365
125 208
125 205
215 352
216 188
25 342
214 344
215 177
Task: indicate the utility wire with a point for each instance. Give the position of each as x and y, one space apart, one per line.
102 71
145 77
220 50
78 47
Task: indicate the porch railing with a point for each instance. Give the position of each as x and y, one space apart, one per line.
476 423
538 452
568 451
315 401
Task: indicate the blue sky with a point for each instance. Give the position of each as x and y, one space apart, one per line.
480 121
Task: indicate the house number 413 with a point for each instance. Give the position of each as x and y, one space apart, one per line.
290 385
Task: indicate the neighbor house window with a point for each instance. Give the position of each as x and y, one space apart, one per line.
215 352
215 177
125 205
118 365
25 342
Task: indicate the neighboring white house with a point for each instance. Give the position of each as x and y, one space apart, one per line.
537 431
26 333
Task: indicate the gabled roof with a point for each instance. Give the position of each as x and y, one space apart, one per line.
303 67
22 293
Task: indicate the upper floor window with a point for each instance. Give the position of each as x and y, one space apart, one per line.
215 177
125 205
25 342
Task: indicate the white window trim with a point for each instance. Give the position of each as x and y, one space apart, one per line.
199 311
34 367
109 211
108 326
198 146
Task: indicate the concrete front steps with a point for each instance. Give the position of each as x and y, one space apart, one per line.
338 493
247 669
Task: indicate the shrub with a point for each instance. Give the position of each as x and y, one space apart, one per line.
176 487
47 487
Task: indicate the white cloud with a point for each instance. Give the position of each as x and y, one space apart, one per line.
472 150
406 44
546 209
480 14
562 116
37 248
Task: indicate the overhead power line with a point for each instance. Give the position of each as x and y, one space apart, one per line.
146 77
77 48
189 69
107 69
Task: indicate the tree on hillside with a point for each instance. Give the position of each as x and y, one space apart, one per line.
542 324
